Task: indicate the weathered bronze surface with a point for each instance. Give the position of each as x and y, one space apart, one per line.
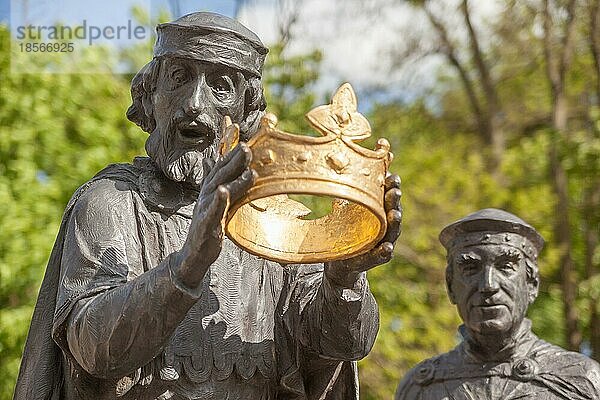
492 278
145 298
269 224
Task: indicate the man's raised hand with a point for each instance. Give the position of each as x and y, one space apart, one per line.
227 181
345 272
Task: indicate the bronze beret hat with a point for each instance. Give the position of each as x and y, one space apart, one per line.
213 38
487 223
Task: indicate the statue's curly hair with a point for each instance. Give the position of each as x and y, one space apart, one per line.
143 84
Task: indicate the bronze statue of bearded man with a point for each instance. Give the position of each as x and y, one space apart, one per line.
144 297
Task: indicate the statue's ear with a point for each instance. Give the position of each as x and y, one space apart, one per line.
532 293
150 122
449 289
255 105
141 111
533 281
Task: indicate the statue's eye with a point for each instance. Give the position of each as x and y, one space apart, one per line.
179 76
507 266
222 87
470 268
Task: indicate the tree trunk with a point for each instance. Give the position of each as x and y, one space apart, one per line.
595 43
488 110
592 200
493 109
562 231
558 59
591 269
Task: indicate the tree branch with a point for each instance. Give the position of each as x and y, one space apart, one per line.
450 51
595 42
289 12
551 69
482 68
567 43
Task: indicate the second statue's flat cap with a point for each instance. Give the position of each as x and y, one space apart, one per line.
490 221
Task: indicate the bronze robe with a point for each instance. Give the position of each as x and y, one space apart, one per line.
112 321
530 369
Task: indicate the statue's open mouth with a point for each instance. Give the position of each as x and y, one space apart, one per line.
198 134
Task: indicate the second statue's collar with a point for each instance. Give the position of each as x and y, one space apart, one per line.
162 194
519 346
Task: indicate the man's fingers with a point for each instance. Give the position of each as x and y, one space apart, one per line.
225 172
240 153
392 181
207 166
382 254
215 214
394 226
377 256
392 199
241 185
232 155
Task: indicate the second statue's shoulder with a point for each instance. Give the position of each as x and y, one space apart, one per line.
420 376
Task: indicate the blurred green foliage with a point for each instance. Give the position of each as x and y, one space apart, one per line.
57 131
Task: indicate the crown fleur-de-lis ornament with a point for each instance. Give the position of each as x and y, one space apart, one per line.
341 116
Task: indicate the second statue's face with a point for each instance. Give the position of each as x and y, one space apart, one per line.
190 101
489 286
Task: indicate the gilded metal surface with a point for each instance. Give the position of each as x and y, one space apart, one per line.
269 224
231 136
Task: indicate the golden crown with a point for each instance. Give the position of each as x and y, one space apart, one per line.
266 222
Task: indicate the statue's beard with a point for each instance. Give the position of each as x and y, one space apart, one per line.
188 167
179 160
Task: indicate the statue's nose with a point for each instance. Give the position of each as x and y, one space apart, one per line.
489 281
199 98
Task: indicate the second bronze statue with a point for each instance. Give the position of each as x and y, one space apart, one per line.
492 278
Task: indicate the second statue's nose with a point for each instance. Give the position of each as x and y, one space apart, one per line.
489 282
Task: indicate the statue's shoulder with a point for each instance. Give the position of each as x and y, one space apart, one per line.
556 357
569 365
423 374
111 186
121 184
592 372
